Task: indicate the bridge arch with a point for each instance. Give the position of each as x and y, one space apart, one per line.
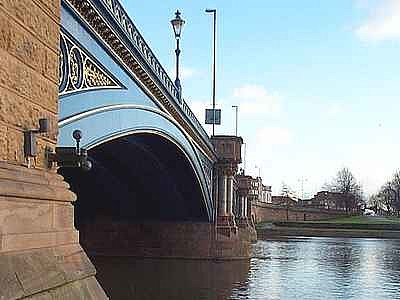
137 133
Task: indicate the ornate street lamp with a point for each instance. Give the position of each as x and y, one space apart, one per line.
177 25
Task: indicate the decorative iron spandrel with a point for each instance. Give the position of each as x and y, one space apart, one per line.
79 71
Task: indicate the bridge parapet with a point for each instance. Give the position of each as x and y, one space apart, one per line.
109 19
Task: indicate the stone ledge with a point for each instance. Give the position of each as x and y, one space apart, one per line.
21 182
11 188
36 240
34 176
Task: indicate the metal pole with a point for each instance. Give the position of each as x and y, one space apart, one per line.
177 81
236 122
214 12
215 25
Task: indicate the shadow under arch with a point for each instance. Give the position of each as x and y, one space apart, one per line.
137 177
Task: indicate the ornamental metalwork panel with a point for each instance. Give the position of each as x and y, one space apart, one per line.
79 71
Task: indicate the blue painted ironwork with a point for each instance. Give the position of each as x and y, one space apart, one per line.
79 71
148 101
111 12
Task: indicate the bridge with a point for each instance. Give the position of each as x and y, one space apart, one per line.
158 186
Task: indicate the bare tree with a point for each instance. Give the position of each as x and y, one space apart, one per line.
389 194
346 184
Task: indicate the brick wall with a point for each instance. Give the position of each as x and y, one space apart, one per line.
264 212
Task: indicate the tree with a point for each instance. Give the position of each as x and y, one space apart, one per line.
346 184
389 194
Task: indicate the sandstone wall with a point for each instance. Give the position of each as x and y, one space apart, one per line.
40 255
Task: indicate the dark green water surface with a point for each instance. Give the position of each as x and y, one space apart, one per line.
284 268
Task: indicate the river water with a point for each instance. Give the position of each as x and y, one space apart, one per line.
284 268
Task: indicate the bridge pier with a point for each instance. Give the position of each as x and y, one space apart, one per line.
237 227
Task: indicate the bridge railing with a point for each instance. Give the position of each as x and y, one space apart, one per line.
133 35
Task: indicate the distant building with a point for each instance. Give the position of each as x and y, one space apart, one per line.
329 200
260 192
266 194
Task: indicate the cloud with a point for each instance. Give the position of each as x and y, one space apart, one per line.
274 136
254 99
335 110
198 107
384 22
262 150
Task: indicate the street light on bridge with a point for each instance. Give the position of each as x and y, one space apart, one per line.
177 25
214 13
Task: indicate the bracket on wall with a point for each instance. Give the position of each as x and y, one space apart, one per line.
70 157
30 148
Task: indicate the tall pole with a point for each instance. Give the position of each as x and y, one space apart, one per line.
177 81
236 122
214 12
177 25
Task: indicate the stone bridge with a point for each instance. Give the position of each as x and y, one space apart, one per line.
159 186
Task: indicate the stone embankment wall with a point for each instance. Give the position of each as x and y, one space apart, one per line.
264 212
40 255
193 240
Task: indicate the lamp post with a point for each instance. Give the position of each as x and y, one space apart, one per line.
236 122
214 12
177 25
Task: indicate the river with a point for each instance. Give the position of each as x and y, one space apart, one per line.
285 268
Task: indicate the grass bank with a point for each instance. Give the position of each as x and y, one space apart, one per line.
354 226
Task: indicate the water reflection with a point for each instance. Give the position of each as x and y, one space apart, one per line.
150 279
285 268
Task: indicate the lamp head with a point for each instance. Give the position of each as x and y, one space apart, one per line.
177 24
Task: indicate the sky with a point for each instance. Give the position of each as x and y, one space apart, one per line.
317 82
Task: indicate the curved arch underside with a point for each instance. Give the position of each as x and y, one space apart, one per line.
135 178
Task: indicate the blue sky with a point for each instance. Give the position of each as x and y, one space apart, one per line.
317 84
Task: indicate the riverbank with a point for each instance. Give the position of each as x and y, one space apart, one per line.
350 227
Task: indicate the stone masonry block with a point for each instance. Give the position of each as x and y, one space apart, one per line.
3 142
51 7
25 217
34 19
21 242
25 82
50 272
18 112
63 216
15 146
20 43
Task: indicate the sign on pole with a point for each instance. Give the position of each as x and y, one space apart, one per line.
210 116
